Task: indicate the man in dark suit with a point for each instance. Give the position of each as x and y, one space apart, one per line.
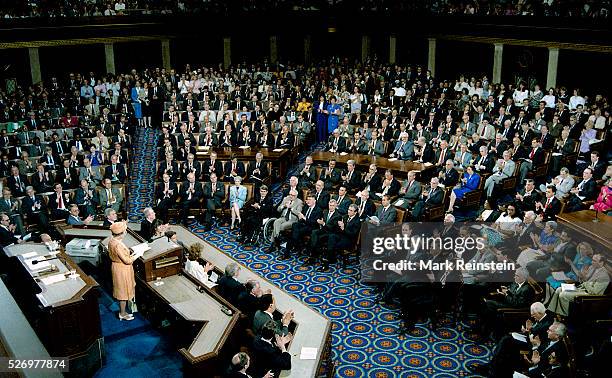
433 197
10 206
59 202
210 166
7 235
86 199
506 352
564 146
257 171
485 162
536 157
248 301
586 190
270 352
17 183
307 174
214 194
229 287
346 238
321 195
330 175
306 223
518 295
350 178
115 171
191 193
449 177
336 143
166 194
342 200
550 207
67 176
34 208
170 167
327 225
365 206
191 166
546 140
528 197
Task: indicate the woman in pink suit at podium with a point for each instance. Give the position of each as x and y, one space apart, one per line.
122 270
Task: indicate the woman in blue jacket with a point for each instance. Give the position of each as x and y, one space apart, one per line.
469 182
237 198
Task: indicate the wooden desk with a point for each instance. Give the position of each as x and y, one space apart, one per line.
18 339
280 159
582 222
313 329
423 171
65 313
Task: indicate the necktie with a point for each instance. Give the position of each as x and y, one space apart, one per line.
288 211
308 212
60 201
532 153
8 203
109 196
361 207
329 215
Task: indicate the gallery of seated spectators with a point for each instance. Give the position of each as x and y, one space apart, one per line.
305 188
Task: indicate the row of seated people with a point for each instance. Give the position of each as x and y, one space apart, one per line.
539 251
70 173
38 209
185 142
256 171
99 148
456 141
268 331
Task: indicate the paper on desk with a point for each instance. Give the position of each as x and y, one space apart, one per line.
399 202
568 287
244 147
308 353
556 154
209 284
519 337
49 280
213 277
42 299
427 164
560 276
25 237
343 153
392 159
278 150
140 249
516 374
29 254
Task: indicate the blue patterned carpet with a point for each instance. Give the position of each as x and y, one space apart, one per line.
363 333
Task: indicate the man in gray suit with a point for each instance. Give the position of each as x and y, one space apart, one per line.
110 197
564 182
289 207
463 157
404 148
375 146
10 207
503 169
411 191
89 173
386 213
301 128
266 314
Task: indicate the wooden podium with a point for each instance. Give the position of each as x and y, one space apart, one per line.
62 308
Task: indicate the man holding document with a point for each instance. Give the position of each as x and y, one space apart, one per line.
124 283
